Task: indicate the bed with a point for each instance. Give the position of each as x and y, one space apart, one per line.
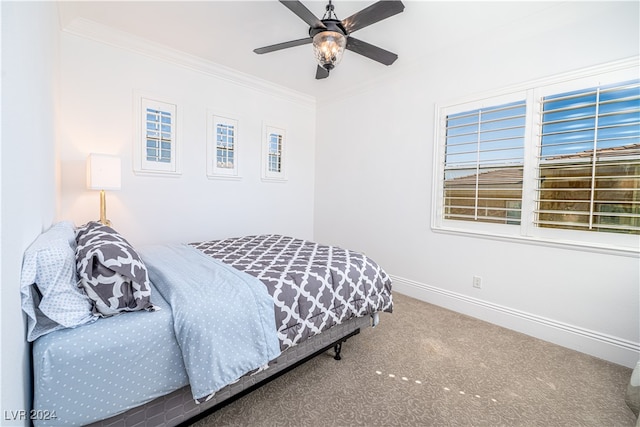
164 334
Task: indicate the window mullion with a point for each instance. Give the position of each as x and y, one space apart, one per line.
530 163
593 161
477 189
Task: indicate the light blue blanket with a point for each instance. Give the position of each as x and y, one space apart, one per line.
223 318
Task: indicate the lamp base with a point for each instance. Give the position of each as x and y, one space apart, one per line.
103 209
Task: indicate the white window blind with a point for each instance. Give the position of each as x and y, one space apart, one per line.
159 135
225 145
275 153
589 160
483 168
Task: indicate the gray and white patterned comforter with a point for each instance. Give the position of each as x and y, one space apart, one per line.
313 286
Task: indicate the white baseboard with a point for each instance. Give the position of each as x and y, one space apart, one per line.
610 348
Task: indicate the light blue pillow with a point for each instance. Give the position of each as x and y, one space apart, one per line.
51 297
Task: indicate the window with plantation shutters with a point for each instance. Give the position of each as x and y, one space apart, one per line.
589 160
273 153
156 143
484 160
222 147
551 162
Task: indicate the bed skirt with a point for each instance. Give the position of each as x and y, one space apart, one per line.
179 407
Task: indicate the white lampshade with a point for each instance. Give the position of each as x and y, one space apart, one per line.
103 172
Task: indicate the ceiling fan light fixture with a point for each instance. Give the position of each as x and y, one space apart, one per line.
330 36
328 47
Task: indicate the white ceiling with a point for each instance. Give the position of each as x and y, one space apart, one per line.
226 32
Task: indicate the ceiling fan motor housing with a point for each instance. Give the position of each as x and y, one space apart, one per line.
330 25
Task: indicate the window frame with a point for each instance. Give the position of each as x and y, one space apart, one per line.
141 166
527 231
213 170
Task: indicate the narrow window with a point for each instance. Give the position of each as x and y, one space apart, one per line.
156 148
273 153
222 147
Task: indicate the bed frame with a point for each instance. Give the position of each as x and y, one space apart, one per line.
179 408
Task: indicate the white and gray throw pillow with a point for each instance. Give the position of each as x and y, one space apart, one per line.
110 271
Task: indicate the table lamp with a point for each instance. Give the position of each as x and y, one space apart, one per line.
103 173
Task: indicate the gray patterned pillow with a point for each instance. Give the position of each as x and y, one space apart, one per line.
110 271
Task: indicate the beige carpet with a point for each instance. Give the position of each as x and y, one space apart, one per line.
427 366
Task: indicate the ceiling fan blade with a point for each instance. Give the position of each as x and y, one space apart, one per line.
303 13
321 73
372 14
284 45
370 51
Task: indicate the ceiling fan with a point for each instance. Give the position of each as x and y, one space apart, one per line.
330 36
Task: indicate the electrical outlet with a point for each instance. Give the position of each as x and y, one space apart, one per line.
477 282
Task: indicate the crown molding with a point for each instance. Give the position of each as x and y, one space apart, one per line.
101 33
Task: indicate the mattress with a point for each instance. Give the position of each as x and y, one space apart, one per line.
92 372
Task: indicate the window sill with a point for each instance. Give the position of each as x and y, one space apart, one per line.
156 173
627 251
225 177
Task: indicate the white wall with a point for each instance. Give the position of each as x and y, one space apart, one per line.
376 195
384 212
97 86
27 176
